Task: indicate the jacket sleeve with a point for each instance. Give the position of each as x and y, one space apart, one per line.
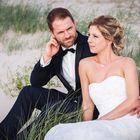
40 76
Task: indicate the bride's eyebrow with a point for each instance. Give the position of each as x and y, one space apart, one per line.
93 34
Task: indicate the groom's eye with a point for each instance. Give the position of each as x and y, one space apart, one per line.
69 28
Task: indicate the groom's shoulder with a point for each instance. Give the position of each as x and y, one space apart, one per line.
82 37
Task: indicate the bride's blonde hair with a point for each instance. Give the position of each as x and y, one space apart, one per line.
111 29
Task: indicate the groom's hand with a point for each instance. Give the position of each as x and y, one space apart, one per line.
51 49
136 111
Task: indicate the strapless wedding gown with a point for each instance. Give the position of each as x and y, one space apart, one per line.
106 95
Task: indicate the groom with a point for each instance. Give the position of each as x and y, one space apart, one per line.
61 57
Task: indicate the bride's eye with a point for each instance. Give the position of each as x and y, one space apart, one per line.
95 36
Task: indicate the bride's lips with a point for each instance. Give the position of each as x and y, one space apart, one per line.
91 46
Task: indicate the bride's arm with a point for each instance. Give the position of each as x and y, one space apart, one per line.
132 89
87 104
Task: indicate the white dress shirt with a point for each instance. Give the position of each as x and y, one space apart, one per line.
68 66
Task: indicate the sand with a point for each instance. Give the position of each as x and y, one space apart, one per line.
11 63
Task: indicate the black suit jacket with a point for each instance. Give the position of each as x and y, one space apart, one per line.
40 76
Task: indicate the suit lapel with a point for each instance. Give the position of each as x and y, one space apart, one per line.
77 59
82 51
58 69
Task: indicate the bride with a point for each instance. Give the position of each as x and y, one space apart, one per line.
110 82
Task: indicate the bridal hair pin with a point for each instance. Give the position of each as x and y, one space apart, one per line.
115 45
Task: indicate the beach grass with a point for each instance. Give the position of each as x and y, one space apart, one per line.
21 19
51 117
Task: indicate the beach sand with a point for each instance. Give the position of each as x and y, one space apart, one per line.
6 103
11 64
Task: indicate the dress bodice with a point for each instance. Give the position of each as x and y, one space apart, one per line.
108 94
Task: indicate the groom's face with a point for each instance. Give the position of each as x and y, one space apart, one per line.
64 31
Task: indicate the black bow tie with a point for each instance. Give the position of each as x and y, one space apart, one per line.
68 50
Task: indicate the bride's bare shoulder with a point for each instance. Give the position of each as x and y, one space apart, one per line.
86 61
129 62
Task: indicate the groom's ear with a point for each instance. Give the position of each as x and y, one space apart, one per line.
52 34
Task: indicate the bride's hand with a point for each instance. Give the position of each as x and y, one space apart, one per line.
136 111
104 117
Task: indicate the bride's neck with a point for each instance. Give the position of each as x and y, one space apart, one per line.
106 57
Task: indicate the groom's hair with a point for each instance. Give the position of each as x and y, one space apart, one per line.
58 13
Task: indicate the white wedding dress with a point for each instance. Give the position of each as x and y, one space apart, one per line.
106 95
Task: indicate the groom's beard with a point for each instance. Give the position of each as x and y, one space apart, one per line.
67 42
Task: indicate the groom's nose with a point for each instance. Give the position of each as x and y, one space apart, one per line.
67 35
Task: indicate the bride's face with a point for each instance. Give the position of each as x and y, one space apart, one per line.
96 40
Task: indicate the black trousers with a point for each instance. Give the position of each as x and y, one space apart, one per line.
30 98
